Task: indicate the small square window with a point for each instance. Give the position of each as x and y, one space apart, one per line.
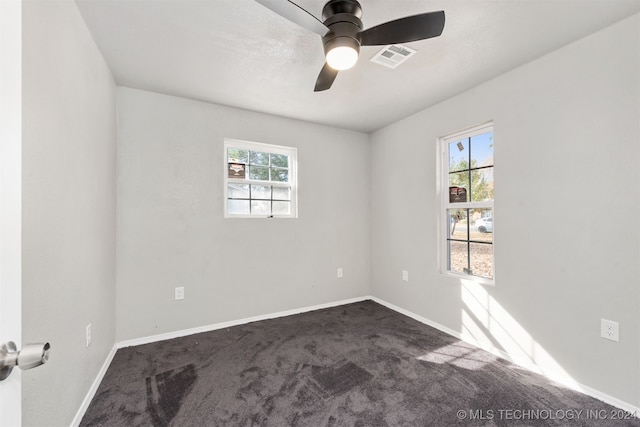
260 180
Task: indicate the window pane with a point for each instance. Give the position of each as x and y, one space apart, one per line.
259 173
458 257
481 260
261 192
280 160
457 223
238 207
458 181
238 191
281 193
281 208
236 155
481 184
260 207
459 155
259 158
279 175
482 150
482 225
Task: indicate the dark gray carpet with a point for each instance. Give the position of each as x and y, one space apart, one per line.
354 365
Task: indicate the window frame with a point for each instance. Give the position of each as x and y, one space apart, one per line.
291 152
443 189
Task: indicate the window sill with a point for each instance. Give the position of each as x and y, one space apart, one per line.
466 278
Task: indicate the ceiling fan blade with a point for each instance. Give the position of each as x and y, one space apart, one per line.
403 30
326 78
295 14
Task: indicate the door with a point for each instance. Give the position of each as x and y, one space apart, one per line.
10 199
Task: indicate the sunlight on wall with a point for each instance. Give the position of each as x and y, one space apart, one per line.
486 323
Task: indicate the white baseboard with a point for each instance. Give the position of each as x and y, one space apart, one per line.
223 325
500 353
185 332
417 317
160 337
94 388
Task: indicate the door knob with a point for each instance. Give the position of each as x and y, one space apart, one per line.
30 356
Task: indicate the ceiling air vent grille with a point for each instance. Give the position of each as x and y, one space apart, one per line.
393 55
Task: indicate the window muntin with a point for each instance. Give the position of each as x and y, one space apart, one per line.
260 180
468 184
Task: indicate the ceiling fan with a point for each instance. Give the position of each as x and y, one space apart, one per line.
342 33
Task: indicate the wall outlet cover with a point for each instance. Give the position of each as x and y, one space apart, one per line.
610 330
179 293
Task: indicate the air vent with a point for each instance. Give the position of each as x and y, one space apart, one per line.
393 55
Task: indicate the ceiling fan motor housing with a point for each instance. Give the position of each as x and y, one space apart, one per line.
342 17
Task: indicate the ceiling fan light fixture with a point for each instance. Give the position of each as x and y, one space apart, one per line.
342 57
342 53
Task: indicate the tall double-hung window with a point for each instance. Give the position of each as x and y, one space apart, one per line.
468 213
259 180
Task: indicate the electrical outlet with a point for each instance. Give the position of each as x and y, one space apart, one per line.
340 273
88 335
405 275
610 330
179 293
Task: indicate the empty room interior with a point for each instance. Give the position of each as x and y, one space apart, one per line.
207 238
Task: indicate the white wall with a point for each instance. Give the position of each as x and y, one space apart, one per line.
567 207
171 230
69 135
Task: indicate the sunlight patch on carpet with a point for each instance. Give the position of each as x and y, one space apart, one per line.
458 355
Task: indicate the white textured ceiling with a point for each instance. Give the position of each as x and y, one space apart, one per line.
240 54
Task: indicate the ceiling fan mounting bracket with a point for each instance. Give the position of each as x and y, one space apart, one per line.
335 7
